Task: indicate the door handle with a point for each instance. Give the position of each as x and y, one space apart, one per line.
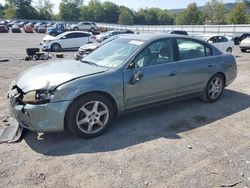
172 73
210 66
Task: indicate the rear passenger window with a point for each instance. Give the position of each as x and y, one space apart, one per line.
189 49
78 35
223 39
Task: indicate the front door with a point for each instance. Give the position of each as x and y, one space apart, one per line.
153 76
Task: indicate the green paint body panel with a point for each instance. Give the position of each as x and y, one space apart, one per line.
71 79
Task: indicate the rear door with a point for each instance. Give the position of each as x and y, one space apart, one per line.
81 39
195 65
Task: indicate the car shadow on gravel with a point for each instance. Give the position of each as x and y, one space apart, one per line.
166 121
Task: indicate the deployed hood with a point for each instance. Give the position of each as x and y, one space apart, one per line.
50 75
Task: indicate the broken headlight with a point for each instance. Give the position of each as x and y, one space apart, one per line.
37 97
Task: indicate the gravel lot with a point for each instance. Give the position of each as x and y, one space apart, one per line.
183 144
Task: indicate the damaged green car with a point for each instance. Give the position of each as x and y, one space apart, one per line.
129 72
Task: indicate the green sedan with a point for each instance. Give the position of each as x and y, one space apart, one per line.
129 72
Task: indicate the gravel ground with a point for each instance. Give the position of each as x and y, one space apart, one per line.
183 144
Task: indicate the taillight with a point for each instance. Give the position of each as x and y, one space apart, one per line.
93 37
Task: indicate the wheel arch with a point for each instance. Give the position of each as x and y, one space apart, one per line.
103 93
223 75
55 43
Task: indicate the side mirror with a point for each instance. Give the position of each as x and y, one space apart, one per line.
137 76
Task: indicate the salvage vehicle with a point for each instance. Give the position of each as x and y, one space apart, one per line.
245 44
239 37
223 43
4 29
28 28
103 36
86 25
21 24
41 29
56 29
67 40
178 32
15 29
88 48
127 73
37 25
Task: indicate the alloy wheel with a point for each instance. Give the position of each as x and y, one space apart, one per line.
92 117
215 88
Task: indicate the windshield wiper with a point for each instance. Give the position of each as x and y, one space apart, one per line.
89 62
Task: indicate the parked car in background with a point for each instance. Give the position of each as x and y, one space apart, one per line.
21 24
4 22
41 29
28 28
245 44
67 40
239 37
56 29
88 48
223 43
4 29
15 29
50 24
11 23
103 36
132 71
178 32
86 25
37 25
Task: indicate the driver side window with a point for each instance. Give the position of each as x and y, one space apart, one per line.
156 53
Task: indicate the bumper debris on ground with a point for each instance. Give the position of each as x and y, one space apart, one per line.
11 132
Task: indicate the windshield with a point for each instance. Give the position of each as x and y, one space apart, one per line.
114 53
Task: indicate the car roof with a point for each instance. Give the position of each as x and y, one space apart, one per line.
68 32
155 36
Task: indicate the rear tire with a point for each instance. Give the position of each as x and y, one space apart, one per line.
55 47
90 115
92 29
213 89
243 50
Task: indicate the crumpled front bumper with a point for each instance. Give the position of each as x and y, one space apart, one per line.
39 118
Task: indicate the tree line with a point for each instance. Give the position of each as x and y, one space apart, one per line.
214 12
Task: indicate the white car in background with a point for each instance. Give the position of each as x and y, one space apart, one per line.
245 44
87 26
223 43
67 40
103 36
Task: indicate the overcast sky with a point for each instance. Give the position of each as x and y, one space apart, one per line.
136 4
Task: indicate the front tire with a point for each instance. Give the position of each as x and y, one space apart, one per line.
55 47
243 50
90 115
214 88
